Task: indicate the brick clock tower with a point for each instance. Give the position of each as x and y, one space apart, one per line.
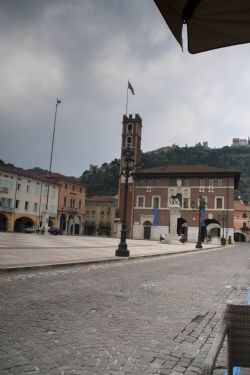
131 140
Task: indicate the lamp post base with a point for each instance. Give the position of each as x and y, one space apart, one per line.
198 245
45 221
122 250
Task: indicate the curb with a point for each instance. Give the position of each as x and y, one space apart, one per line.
99 261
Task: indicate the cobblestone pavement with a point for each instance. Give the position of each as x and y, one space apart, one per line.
142 317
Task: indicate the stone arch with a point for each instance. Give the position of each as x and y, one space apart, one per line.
212 229
182 227
22 223
71 224
240 236
63 223
77 224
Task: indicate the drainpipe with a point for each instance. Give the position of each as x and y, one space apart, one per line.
227 210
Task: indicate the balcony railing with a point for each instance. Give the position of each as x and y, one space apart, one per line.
6 209
4 190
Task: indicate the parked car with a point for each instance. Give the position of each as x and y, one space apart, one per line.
54 231
34 229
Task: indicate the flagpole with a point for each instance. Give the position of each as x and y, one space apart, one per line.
46 217
127 101
53 136
52 148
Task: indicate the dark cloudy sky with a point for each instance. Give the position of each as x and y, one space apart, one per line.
83 52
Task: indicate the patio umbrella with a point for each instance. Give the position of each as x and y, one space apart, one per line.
210 23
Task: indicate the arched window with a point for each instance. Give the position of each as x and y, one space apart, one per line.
130 128
129 141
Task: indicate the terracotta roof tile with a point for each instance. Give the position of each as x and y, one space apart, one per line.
182 168
61 177
170 170
241 206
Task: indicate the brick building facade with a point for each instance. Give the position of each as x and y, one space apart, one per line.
157 189
160 199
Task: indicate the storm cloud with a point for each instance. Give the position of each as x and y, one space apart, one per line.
84 52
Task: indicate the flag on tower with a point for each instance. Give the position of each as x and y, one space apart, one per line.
131 88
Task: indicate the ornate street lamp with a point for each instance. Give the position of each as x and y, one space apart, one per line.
224 217
127 169
201 208
202 205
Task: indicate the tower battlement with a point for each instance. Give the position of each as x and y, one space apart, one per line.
132 119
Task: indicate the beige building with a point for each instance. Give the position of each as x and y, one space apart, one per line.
71 204
100 215
23 199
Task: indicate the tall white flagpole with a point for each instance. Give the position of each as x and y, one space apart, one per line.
45 220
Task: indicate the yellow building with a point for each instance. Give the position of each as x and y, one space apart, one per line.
101 211
71 204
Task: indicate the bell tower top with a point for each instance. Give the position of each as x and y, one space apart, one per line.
131 136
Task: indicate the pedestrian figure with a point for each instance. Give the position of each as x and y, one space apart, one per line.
182 239
162 237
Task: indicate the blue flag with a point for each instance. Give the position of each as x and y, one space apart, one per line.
156 213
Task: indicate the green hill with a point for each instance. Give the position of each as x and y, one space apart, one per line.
105 180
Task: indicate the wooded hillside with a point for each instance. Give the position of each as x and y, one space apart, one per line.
105 179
